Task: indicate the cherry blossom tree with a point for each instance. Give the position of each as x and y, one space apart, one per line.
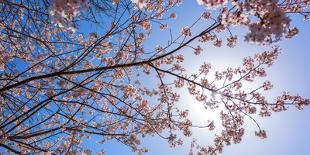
73 69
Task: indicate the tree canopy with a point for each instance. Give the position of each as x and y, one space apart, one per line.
72 70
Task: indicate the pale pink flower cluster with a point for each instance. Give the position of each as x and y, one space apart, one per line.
146 24
212 3
267 85
292 32
205 68
62 12
197 50
234 18
206 37
231 41
4 57
267 20
186 31
268 57
272 23
179 83
173 15
217 43
141 4
261 133
206 15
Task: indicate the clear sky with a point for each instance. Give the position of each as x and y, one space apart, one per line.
288 132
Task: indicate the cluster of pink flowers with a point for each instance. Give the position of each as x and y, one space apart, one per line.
268 57
212 3
141 4
231 41
234 18
62 12
197 50
186 31
267 20
4 57
272 21
261 133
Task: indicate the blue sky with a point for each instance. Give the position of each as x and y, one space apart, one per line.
288 132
